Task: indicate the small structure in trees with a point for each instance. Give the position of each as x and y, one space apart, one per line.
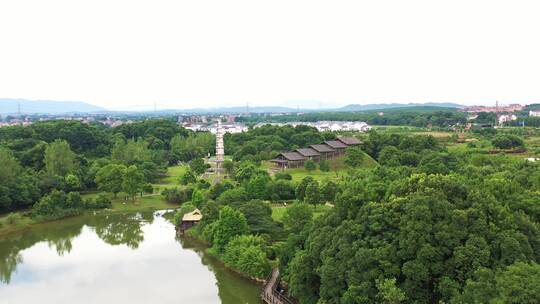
190 219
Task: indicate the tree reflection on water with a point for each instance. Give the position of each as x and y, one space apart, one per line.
114 229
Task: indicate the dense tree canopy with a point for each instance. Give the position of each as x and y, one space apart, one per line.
422 234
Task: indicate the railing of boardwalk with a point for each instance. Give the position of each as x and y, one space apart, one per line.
270 294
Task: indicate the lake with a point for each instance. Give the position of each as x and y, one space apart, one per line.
114 258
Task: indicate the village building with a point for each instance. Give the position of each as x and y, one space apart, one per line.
349 140
325 126
506 118
324 150
534 113
289 160
338 146
309 153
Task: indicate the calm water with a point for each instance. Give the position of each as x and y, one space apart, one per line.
119 258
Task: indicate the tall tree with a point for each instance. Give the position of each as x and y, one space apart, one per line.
328 191
301 188
9 168
110 178
59 159
131 151
313 194
133 181
198 166
297 216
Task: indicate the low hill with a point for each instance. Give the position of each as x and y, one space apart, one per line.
11 106
384 106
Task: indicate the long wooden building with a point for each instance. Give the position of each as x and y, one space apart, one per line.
323 151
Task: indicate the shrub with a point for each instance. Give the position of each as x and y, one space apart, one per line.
147 188
507 141
283 175
102 201
13 218
209 232
310 165
188 178
324 166
247 254
231 223
177 196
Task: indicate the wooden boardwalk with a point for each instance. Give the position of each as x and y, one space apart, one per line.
270 293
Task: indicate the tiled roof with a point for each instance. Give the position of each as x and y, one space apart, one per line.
293 156
307 152
336 144
322 148
349 140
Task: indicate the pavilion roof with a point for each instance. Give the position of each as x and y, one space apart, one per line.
349 140
336 144
307 152
292 156
193 216
322 148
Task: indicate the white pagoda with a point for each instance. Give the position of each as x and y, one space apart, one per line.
220 149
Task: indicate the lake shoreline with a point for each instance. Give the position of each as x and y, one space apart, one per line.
195 238
26 221
134 247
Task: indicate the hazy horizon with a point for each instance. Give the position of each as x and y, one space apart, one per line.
305 106
189 54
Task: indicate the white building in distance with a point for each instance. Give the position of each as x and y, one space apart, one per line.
213 128
322 126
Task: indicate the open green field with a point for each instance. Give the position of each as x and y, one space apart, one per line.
173 176
337 169
398 129
279 211
149 201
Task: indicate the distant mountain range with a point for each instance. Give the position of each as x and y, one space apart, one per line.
347 108
11 106
382 106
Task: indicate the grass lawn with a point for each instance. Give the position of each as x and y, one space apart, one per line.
173 176
436 134
337 169
398 129
149 202
279 211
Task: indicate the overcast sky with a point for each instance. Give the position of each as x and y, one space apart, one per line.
185 54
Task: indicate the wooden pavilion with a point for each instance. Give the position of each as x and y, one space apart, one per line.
289 160
190 219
